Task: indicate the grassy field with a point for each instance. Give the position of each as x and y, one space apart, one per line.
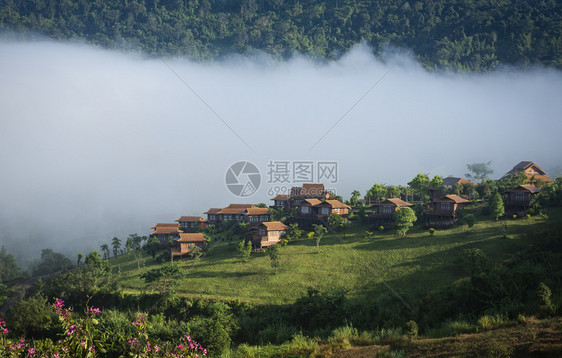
419 263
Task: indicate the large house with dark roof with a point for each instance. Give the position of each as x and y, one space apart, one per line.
517 201
532 171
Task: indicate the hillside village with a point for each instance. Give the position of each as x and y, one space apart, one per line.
311 204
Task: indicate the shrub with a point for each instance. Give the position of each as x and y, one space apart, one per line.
431 231
546 307
381 228
412 329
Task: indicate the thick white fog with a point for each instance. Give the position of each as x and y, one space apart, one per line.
96 144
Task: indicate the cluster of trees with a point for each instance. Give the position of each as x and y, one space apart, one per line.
467 35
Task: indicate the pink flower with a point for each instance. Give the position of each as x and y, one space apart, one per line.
56 355
83 343
5 331
92 348
94 310
30 352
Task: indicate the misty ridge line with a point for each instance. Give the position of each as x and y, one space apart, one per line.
113 138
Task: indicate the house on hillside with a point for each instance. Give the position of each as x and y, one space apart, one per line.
532 171
315 211
383 213
212 217
165 232
517 201
280 202
192 223
442 212
266 234
185 243
256 215
233 212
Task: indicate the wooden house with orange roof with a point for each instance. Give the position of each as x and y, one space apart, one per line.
234 212
517 201
256 215
383 212
192 223
316 211
185 243
165 232
533 172
212 217
442 212
266 234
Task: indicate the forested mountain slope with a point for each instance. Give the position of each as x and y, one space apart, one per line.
462 34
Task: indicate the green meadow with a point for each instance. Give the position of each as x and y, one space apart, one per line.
419 263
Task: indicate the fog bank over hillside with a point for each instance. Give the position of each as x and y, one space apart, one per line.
96 144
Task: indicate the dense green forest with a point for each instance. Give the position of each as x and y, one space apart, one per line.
460 34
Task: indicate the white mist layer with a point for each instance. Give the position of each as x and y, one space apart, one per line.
96 144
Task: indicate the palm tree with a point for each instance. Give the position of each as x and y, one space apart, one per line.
116 243
105 249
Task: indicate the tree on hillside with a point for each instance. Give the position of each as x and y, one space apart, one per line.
479 171
79 259
8 267
436 182
319 232
51 262
497 209
376 192
162 278
420 184
245 250
354 200
273 252
294 233
152 246
116 244
105 249
469 220
404 220
338 222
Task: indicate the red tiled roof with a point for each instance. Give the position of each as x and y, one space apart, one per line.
336 204
313 201
394 202
197 237
166 230
191 219
257 211
212 211
274 225
525 188
281 197
236 208
454 198
165 225
539 177
313 190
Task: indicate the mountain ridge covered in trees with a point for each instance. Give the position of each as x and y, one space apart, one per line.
464 35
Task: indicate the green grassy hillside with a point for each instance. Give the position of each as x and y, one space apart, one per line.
419 263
